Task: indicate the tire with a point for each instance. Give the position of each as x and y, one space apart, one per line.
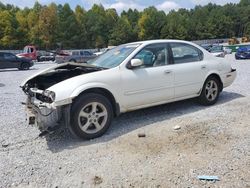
91 116
24 66
210 91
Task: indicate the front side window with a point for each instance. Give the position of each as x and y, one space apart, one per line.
185 53
216 49
153 55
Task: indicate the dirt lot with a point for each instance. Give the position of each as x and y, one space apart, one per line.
212 141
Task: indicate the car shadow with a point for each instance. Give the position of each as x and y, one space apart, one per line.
62 139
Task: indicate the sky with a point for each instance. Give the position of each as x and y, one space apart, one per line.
119 5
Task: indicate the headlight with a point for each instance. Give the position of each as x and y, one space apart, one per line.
50 94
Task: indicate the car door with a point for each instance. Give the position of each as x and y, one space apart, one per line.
87 56
10 60
189 69
2 62
150 83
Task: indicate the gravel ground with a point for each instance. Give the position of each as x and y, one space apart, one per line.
212 141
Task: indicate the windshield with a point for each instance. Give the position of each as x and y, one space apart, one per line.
114 57
25 50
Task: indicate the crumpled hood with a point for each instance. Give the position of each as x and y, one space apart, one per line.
42 72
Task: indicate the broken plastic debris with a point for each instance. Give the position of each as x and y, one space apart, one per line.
208 178
5 145
177 127
97 180
141 135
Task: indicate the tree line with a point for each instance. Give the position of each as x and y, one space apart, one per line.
52 26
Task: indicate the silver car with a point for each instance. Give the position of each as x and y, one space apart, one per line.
79 56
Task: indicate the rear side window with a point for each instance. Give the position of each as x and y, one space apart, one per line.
185 53
1 56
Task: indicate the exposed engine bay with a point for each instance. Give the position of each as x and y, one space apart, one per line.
57 75
39 104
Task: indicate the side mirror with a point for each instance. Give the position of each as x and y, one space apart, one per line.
136 63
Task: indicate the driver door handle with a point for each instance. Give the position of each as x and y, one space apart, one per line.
167 71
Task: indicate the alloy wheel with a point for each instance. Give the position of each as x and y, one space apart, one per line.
92 117
211 90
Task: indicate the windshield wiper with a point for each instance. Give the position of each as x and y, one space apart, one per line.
94 66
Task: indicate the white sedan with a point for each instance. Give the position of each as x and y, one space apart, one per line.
86 97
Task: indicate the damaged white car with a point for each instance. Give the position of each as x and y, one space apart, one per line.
86 97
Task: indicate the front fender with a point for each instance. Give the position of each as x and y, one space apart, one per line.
66 98
93 85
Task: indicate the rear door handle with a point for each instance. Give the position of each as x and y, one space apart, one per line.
167 71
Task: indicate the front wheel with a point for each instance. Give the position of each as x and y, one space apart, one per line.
24 66
91 116
210 91
72 60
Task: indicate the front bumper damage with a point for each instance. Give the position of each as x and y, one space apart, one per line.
46 116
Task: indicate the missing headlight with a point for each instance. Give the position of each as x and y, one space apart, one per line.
46 96
49 94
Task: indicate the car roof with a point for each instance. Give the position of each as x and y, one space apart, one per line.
6 53
160 41
206 45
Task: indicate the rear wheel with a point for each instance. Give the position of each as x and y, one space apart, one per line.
210 91
91 116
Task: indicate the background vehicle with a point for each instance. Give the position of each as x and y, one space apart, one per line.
227 50
85 97
9 60
206 46
29 52
217 51
243 53
45 56
79 56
